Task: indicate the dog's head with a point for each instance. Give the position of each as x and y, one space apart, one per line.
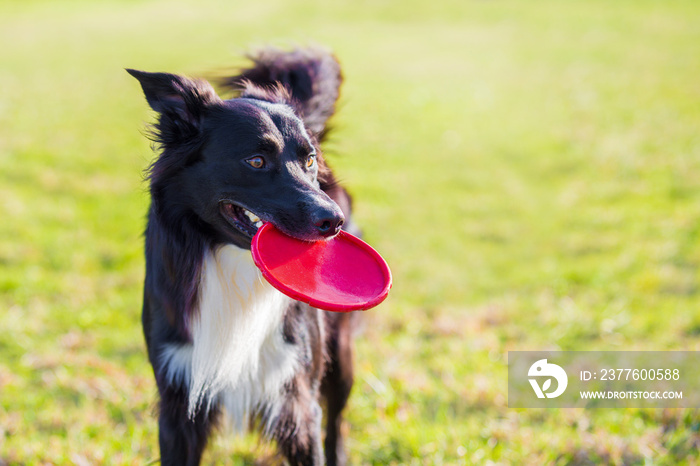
229 165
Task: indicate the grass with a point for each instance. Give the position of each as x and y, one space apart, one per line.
531 171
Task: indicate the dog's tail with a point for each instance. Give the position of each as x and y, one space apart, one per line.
311 75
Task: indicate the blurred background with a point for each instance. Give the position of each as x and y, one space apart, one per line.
530 170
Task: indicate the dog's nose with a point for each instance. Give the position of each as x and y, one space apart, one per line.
329 226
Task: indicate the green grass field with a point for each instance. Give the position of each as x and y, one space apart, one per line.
530 170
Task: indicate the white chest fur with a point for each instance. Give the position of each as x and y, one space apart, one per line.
238 355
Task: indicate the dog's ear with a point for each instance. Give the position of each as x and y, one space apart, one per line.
311 76
179 100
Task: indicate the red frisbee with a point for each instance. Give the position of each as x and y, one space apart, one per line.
342 274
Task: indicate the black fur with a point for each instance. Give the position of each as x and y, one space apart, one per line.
202 179
312 76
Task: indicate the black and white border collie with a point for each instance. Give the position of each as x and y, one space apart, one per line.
220 338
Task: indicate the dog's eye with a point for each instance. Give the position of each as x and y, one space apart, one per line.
311 161
256 162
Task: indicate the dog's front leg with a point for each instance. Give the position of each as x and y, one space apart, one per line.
298 430
182 440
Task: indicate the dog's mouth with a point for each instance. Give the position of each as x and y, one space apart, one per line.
240 218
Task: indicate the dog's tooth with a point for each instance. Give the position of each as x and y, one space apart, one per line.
258 224
253 218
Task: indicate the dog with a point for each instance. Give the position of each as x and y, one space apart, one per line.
219 337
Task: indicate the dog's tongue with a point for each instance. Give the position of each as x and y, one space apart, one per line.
342 274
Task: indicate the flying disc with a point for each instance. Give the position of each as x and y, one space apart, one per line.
341 274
